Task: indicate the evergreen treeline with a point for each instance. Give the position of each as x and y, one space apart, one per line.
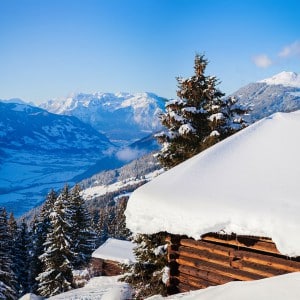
41 259
61 238
135 169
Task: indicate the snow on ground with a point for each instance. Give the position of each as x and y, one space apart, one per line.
101 190
284 287
30 296
247 184
99 288
116 250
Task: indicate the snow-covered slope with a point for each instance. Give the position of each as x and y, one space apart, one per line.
24 126
39 151
284 287
123 117
284 78
247 184
280 93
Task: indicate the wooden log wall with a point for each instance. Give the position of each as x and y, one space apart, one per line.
218 259
100 267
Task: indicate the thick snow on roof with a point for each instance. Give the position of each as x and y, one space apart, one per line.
247 184
275 288
116 250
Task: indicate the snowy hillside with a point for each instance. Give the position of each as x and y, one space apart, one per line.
25 126
275 288
40 151
109 288
123 117
284 78
280 93
127 177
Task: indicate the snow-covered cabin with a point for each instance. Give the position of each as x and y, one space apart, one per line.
107 259
232 211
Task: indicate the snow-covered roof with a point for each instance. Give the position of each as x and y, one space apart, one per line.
247 184
116 250
103 287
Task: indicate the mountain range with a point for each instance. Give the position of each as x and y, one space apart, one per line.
122 117
280 93
24 126
68 140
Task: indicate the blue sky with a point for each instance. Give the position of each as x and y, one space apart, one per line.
50 49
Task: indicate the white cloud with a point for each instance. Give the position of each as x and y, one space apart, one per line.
128 154
262 61
290 50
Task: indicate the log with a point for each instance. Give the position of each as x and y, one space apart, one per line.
197 283
182 288
218 269
280 263
228 262
260 244
211 278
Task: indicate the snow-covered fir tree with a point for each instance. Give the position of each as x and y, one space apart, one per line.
21 258
121 231
102 225
57 270
199 118
83 237
7 277
149 275
38 234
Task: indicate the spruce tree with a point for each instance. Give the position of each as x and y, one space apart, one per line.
121 231
147 276
199 118
102 225
83 237
57 273
7 276
21 258
38 234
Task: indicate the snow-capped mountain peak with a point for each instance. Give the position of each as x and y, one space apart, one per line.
123 117
284 78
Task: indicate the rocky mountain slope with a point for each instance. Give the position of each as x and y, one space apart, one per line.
280 93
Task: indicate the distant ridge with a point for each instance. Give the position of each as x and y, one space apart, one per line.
284 78
123 117
279 93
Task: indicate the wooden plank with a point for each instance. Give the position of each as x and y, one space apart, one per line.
218 269
182 288
280 263
193 281
265 271
211 278
263 245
